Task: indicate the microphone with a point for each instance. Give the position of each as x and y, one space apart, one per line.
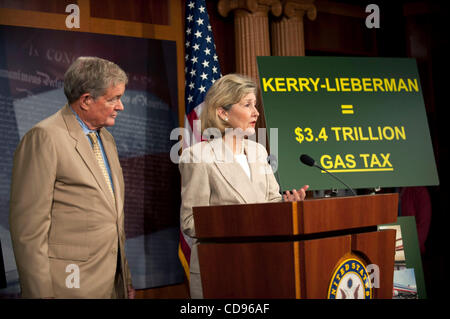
309 161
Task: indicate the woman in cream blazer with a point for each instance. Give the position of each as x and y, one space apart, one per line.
226 169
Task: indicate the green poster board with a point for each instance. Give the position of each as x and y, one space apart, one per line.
361 118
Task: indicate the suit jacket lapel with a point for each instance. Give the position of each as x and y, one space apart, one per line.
114 165
258 170
232 171
85 150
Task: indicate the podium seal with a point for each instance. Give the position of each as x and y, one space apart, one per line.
350 280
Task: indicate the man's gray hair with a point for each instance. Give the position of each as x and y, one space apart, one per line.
91 75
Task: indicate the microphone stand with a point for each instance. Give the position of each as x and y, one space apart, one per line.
337 178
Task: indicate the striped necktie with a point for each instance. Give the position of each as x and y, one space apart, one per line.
99 158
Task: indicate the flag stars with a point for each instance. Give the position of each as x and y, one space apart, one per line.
199 21
202 67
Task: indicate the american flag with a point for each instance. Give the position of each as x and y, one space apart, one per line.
201 71
201 64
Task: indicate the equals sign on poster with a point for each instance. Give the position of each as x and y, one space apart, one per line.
347 109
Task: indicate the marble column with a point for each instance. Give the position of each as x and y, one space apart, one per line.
251 25
287 32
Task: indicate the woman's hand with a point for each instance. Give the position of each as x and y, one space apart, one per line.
296 195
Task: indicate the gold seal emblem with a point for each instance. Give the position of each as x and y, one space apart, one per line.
350 280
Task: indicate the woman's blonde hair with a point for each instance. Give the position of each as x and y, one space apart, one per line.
225 92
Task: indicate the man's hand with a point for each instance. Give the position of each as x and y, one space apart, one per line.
131 292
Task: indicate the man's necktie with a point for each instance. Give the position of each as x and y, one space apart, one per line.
99 158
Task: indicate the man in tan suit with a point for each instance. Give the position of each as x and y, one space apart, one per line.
67 193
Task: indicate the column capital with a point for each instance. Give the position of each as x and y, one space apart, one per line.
252 6
297 8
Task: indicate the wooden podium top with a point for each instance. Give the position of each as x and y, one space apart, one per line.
306 217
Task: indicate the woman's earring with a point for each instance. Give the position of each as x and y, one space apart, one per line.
226 119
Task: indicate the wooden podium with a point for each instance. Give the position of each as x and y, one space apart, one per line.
301 249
